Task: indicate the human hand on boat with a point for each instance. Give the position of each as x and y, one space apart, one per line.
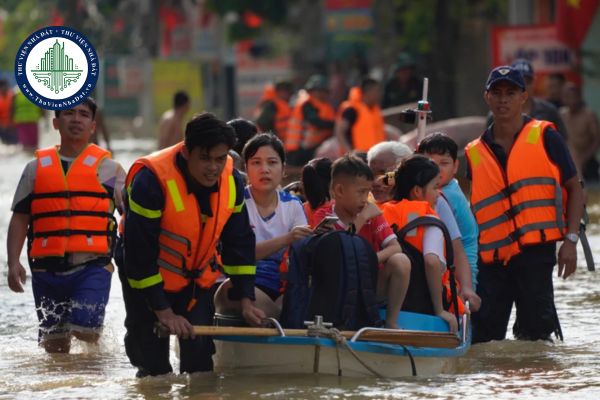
252 314
16 277
450 319
473 299
567 259
176 324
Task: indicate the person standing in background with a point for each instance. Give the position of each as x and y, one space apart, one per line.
555 84
584 132
25 116
170 130
6 98
274 110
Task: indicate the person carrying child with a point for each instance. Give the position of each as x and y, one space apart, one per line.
276 217
351 181
441 149
414 194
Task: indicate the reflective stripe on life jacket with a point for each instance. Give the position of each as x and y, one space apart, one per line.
368 129
301 133
522 205
404 212
188 240
70 213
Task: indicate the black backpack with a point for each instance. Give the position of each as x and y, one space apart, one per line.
333 275
417 298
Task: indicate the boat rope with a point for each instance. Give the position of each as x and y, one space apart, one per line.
340 340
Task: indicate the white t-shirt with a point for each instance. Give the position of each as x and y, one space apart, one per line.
288 214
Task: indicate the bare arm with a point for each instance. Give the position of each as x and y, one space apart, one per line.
17 232
567 254
463 275
389 250
268 247
163 133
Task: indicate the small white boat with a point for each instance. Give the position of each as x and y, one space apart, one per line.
357 357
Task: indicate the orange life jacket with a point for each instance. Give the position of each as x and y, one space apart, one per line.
72 212
401 213
282 115
368 129
188 240
301 133
521 206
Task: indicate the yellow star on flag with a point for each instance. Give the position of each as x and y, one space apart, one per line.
574 3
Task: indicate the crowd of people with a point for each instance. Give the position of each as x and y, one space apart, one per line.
205 222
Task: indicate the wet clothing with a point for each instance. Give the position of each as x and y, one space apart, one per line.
148 352
527 282
71 291
71 300
526 279
137 255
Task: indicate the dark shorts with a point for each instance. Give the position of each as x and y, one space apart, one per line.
527 282
72 300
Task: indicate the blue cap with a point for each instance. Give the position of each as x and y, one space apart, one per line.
524 67
505 73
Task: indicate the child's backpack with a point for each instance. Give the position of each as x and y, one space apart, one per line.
333 275
417 298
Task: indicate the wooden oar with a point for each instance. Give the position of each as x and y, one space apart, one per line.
400 337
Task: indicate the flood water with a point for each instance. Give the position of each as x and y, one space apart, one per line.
498 370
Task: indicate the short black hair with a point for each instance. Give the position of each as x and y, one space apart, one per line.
368 83
180 99
89 102
352 167
207 131
244 130
262 140
415 170
438 143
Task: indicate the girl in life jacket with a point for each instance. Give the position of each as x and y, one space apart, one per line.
276 217
414 194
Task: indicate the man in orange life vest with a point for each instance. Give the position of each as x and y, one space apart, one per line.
360 125
311 123
184 215
64 205
525 196
274 110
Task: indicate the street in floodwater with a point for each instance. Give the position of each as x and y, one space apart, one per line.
500 370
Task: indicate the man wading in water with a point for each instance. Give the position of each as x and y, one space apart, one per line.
64 205
521 173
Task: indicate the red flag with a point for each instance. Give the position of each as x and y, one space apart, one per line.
574 18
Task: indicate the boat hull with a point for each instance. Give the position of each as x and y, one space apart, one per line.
300 355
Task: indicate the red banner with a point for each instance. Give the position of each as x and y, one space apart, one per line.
573 20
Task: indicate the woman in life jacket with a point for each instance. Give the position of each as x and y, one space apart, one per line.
276 216
414 195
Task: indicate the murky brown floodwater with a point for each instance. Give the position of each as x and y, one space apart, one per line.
503 370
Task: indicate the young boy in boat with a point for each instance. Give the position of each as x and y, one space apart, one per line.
441 149
276 217
415 194
351 182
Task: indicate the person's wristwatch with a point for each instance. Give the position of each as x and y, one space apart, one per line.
572 237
